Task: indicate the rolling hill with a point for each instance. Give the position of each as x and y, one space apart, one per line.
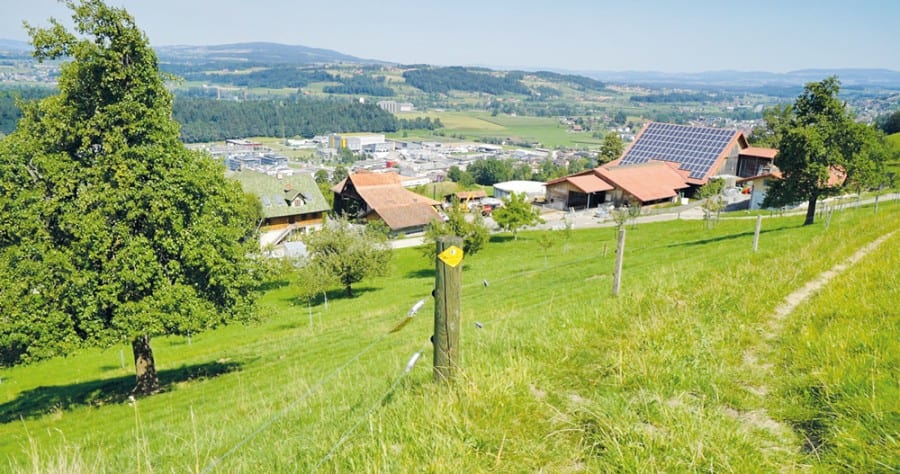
256 53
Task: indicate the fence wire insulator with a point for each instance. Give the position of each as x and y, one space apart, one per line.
416 307
412 362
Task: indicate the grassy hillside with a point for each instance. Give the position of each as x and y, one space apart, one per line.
560 376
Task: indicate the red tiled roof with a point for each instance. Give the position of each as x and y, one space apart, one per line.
399 207
589 183
407 216
366 178
649 181
379 197
759 152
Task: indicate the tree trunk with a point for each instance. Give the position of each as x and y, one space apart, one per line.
811 210
349 291
145 367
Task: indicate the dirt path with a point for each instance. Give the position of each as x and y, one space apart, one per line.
759 419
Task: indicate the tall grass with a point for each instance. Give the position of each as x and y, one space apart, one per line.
560 376
838 366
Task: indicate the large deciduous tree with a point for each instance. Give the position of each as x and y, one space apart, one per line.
110 229
820 148
516 213
491 171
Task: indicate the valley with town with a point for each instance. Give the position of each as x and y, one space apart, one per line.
256 257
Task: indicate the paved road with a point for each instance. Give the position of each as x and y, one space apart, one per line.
586 219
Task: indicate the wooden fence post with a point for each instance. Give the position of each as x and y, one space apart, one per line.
447 296
620 255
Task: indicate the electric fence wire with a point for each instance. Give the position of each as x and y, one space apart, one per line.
314 388
284 411
378 403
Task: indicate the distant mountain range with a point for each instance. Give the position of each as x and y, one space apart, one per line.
13 46
273 53
261 53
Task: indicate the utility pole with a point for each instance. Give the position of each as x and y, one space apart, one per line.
447 296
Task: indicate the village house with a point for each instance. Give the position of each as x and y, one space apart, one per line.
665 162
372 197
290 203
760 183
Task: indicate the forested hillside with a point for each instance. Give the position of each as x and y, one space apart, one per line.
204 119
275 77
10 113
209 120
443 80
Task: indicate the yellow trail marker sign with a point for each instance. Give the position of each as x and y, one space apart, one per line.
451 255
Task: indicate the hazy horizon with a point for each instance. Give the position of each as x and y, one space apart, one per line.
578 35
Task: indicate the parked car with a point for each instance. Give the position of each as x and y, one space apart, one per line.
489 204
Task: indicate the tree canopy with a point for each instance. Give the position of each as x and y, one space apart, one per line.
110 229
611 148
889 124
474 233
516 213
348 253
443 80
208 120
491 171
821 148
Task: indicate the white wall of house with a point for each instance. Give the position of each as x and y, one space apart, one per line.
758 193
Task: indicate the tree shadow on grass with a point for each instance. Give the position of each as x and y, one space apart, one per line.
421 273
501 238
333 295
270 285
724 237
40 401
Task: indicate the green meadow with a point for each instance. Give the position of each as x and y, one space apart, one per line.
683 371
517 129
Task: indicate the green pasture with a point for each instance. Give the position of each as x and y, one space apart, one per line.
519 129
556 376
837 366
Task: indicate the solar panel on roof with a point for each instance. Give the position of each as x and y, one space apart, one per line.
694 148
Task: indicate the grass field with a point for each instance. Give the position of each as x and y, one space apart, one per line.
560 377
544 130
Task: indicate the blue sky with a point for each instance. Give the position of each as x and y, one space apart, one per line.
577 35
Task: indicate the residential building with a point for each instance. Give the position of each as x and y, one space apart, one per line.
289 203
664 162
371 197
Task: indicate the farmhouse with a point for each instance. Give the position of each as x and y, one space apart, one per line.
381 197
289 203
759 184
664 162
